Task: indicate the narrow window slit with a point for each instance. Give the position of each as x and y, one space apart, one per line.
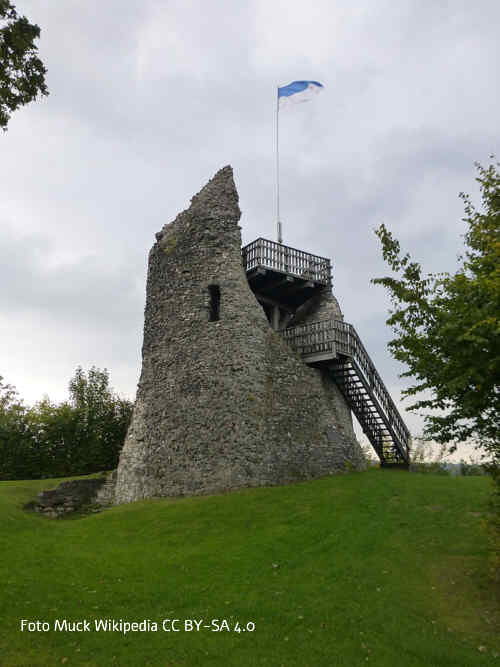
214 291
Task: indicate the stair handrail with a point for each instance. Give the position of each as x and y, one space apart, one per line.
363 360
348 343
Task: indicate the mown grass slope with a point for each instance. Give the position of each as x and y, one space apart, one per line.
381 568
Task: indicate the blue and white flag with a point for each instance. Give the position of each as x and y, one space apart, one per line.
298 91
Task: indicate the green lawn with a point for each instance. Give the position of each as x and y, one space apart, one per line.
380 568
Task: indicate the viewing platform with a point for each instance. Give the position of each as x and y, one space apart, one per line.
283 276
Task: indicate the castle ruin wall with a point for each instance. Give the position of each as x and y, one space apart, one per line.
223 402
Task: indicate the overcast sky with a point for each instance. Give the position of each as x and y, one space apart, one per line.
149 99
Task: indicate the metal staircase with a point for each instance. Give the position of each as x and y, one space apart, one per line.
335 346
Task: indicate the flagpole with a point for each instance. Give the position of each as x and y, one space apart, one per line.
278 221
295 92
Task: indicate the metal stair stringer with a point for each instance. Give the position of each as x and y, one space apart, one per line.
362 401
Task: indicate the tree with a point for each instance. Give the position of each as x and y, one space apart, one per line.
76 437
447 327
56 439
15 439
22 73
104 418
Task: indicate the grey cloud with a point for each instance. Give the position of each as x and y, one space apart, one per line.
88 292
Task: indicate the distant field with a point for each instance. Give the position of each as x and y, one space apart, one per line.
381 568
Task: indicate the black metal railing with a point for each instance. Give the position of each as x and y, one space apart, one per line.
379 390
277 257
340 338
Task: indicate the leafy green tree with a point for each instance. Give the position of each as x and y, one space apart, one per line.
76 437
56 437
22 73
103 418
15 439
447 327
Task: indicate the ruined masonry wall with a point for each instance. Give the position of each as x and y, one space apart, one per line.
223 404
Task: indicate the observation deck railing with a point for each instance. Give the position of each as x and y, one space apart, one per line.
277 257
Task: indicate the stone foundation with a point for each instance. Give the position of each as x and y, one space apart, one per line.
78 495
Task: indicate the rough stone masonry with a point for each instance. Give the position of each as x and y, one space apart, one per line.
223 403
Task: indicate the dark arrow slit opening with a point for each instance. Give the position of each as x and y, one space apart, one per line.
214 312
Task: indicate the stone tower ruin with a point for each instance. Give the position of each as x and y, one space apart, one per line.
240 385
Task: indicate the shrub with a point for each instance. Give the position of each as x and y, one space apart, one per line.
76 437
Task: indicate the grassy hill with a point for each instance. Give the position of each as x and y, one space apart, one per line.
380 568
